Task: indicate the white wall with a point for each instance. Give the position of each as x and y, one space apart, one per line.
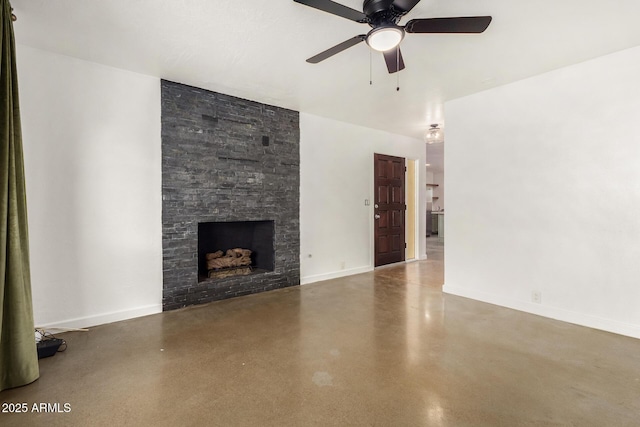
336 168
547 196
92 156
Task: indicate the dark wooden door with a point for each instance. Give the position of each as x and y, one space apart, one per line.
389 209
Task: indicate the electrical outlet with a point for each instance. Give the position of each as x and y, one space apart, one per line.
536 296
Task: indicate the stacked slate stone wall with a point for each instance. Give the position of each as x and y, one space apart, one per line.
226 159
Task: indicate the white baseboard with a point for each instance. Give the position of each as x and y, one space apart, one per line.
101 319
334 275
609 325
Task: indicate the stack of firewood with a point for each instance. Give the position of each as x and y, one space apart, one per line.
233 258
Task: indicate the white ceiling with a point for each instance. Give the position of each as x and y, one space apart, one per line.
256 49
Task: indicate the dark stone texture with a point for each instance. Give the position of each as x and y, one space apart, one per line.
216 168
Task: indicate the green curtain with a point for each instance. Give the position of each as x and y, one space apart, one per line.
18 355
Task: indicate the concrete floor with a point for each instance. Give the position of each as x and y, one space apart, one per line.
378 349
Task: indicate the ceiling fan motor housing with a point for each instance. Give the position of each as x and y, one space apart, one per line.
381 13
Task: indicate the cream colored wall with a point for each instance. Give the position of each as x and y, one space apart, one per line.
411 210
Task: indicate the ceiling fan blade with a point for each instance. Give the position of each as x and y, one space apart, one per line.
467 24
393 58
335 9
405 5
336 49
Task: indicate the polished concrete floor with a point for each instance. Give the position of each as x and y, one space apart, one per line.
378 349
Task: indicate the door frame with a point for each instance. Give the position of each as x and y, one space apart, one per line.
416 208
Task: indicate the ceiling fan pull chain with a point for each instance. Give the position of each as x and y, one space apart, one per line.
398 68
370 69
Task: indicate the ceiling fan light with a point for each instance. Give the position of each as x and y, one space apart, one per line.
384 38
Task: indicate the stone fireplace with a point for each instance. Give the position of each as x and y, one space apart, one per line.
230 179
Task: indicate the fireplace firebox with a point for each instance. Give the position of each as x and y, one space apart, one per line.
257 236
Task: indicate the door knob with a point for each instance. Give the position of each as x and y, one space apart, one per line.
376 216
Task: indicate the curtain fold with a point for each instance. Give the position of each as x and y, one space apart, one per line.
18 355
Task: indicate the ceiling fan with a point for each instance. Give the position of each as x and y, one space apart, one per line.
383 17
